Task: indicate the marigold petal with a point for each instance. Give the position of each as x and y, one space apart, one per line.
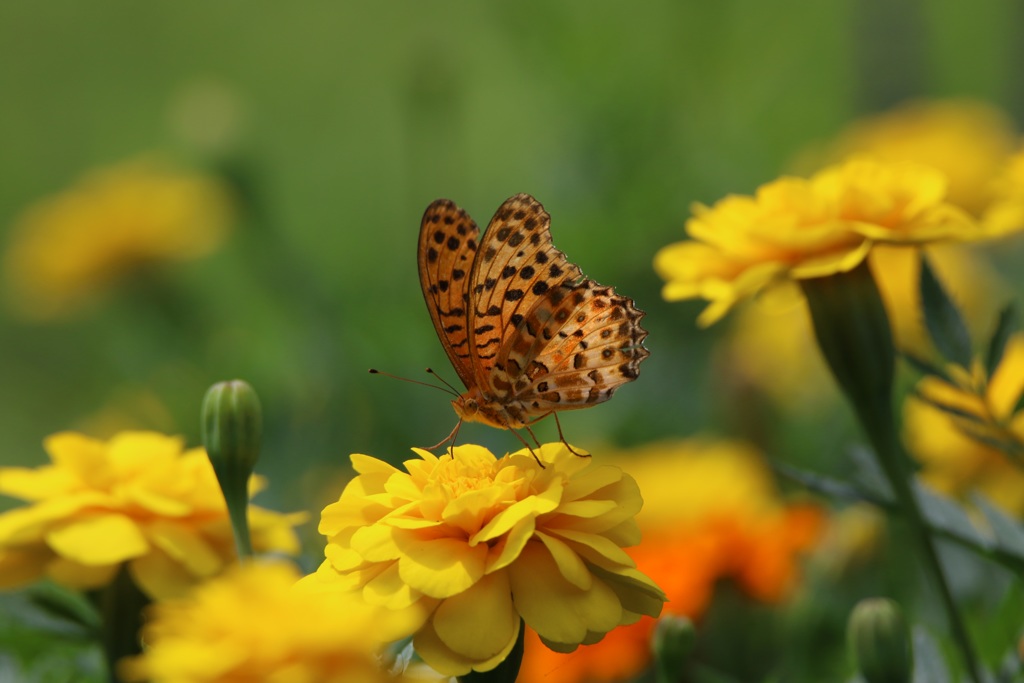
513 515
80 576
35 484
78 454
440 567
30 524
586 484
20 566
160 576
388 589
99 539
636 592
376 543
593 547
448 662
480 622
554 608
182 544
571 567
511 544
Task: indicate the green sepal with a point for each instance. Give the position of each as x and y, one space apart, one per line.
879 641
942 318
232 429
1000 336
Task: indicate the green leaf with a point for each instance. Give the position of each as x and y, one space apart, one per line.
944 514
997 344
1008 533
952 410
929 665
826 486
925 367
943 319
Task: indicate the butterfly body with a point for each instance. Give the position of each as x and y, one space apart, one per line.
527 332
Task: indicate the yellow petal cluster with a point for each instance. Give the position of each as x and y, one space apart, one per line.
772 348
953 462
795 228
711 514
139 500
967 140
254 624
1006 212
65 249
479 543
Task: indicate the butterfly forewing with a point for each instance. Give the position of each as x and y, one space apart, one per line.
448 243
516 268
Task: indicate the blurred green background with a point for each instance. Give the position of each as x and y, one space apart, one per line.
339 123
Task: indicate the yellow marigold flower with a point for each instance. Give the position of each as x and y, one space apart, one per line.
953 462
967 140
479 543
1006 212
137 499
711 512
772 348
254 624
796 228
67 248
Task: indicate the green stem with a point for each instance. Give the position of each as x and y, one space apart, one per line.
882 433
120 605
854 336
238 512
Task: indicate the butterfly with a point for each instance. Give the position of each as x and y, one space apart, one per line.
528 334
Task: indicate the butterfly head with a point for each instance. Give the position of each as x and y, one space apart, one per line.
472 407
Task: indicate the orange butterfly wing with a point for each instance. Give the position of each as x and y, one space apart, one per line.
521 324
447 246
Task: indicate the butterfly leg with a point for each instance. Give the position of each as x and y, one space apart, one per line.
450 438
561 437
528 446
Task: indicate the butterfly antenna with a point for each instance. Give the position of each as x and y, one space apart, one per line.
447 388
430 371
561 438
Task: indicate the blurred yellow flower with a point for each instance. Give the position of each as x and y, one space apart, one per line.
254 624
137 499
1006 212
967 140
795 228
65 249
773 348
956 464
479 543
711 512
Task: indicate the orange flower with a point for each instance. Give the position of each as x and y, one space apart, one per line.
710 513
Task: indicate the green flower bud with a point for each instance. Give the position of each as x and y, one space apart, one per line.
232 428
673 641
879 641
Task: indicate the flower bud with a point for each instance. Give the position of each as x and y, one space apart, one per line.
232 428
673 641
879 641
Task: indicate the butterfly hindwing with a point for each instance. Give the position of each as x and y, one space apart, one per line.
586 342
447 246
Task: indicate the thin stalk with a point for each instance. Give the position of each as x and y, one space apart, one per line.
882 433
